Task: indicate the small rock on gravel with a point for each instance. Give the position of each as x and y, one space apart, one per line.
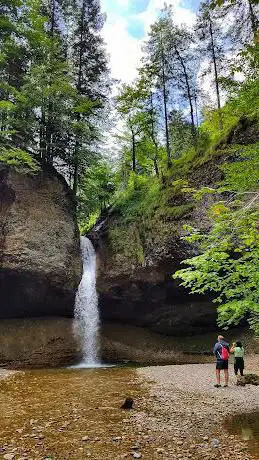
215 443
85 438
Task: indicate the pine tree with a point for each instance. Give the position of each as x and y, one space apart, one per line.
156 51
89 63
183 63
241 18
211 46
13 63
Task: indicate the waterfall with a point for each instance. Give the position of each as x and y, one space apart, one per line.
86 306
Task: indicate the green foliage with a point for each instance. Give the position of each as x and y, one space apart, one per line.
126 243
228 264
85 225
242 175
132 201
51 94
96 191
19 160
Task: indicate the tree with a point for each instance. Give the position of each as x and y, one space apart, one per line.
228 263
96 191
242 17
211 45
89 63
156 59
54 81
130 106
182 61
13 62
137 107
181 133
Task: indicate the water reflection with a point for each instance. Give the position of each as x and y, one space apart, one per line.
246 426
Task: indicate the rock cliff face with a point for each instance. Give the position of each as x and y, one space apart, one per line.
137 257
141 291
148 296
40 265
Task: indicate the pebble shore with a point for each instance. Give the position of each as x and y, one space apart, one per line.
6 373
186 415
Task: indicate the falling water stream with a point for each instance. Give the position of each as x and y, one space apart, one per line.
86 307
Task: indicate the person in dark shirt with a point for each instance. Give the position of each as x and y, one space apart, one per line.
221 351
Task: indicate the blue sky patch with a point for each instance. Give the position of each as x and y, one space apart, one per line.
136 28
192 5
138 6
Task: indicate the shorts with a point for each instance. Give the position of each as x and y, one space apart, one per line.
220 365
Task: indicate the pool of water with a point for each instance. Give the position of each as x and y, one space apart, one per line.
73 414
246 426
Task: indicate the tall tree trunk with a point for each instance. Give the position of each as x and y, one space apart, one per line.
156 167
52 22
134 151
153 136
196 110
43 152
76 167
253 19
49 123
215 72
79 89
165 106
188 89
166 121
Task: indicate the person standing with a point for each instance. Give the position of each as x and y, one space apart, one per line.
221 351
238 350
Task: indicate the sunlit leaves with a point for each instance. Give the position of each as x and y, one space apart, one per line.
228 264
19 160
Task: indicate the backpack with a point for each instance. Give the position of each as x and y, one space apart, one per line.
224 353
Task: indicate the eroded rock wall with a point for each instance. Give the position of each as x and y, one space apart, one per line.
40 264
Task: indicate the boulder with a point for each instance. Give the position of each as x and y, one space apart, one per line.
40 263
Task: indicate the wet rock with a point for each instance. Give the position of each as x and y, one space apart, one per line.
248 379
215 443
160 450
128 404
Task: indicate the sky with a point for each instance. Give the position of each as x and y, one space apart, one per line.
127 26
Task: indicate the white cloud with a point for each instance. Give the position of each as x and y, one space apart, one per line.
125 50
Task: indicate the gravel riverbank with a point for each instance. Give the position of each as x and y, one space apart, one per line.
186 415
6 373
